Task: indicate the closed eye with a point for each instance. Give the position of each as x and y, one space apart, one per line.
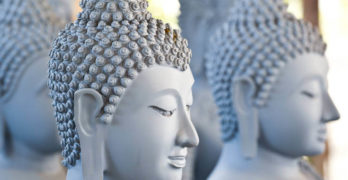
163 112
308 94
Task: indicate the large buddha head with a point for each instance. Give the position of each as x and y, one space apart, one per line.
26 32
121 86
268 73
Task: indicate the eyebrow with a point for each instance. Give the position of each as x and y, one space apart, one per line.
173 92
302 82
316 77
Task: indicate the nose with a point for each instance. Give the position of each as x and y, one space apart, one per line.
187 135
330 112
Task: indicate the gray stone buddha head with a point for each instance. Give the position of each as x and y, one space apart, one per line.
121 87
268 72
198 20
64 8
27 28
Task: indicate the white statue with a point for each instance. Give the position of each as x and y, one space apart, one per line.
198 20
29 144
268 73
121 86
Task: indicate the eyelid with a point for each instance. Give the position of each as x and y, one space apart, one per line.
308 94
159 108
163 112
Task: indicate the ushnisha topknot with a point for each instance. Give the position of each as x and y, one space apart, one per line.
109 44
259 39
27 28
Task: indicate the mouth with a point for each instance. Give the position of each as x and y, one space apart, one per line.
177 162
322 139
322 135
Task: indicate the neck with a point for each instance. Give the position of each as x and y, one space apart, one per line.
22 157
266 162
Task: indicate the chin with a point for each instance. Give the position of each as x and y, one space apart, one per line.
316 150
174 174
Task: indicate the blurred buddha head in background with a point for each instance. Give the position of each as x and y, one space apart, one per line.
268 73
27 28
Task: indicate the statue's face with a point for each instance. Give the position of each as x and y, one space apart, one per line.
152 128
293 121
29 112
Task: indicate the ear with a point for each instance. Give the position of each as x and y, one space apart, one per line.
244 90
87 106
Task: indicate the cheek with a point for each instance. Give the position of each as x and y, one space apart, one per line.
142 142
39 114
308 113
156 131
27 113
291 125
19 122
305 115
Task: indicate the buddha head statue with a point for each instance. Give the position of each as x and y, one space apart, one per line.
27 127
64 8
268 74
198 20
121 89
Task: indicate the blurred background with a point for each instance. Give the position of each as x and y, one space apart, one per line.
332 18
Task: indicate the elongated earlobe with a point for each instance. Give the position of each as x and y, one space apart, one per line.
87 106
248 123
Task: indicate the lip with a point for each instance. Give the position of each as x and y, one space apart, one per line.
177 162
322 134
322 139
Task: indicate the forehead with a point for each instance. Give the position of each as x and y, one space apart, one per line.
160 79
303 68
